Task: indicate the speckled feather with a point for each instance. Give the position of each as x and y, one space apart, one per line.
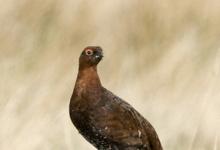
105 120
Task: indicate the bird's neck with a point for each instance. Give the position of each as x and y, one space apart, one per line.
88 78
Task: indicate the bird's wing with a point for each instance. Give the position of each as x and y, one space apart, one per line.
120 122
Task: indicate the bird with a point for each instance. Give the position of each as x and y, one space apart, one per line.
102 118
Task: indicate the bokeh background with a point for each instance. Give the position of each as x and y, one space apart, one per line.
163 57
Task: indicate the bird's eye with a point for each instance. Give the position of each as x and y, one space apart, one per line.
89 52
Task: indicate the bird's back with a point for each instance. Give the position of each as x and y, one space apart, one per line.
126 126
112 123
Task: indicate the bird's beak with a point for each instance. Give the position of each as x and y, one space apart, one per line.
99 55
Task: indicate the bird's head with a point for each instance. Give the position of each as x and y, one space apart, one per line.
91 56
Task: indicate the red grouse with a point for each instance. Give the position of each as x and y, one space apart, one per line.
104 119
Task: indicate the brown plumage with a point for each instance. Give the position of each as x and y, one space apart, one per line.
103 119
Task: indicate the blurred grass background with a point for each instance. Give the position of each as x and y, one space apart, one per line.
163 57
